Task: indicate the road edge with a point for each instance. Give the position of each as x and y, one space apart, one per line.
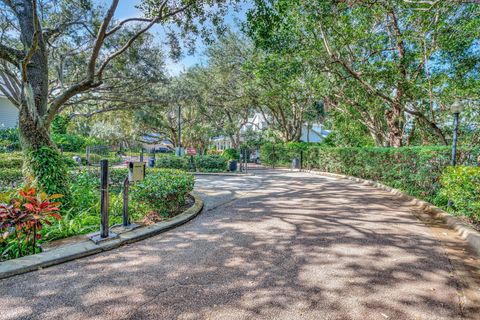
470 235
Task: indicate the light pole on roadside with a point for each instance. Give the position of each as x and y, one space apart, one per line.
179 139
456 108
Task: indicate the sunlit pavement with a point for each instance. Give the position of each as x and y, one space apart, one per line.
275 245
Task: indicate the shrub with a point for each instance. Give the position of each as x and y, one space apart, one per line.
10 178
231 154
165 191
462 186
21 219
211 163
47 169
9 140
69 142
172 162
282 154
11 160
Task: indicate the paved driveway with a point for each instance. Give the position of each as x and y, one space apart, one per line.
277 245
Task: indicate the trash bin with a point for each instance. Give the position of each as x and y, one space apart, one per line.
295 163
232 166
151 162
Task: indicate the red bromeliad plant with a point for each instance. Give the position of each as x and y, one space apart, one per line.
25 215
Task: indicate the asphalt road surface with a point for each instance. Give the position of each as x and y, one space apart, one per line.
275 245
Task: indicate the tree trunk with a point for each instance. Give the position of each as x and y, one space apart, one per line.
394 118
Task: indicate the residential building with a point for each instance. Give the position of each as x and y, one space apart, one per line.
8 114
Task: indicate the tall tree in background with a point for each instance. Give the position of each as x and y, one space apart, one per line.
32 28
407 59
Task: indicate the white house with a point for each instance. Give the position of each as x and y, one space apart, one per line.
310 132
313 133
8 114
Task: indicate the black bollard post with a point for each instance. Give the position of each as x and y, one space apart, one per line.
104 198
301 159
245 160
126 220
141 155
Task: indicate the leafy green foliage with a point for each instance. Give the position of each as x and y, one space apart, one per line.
282 154
10 177
211 163
461 185
74 142
11 160
165 191
9 140
21 219
172 162
47 169
60 124
231 154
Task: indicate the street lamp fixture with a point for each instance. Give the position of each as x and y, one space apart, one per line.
456 107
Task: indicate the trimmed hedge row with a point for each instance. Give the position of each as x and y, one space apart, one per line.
209 163
282 154
10 178
462 186
172 162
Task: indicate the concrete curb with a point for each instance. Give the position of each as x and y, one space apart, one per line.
86 248
467 233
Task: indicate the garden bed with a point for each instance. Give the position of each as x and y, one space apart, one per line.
164 193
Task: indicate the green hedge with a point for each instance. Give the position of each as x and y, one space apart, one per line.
9 140
10 177
282 154
462 186
172 162
231 154
165 191
211 163
11 160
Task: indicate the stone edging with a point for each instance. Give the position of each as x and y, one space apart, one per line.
85 248
463 230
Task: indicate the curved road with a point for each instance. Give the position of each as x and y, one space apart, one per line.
277 245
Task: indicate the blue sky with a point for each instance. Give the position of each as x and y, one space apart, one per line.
127 9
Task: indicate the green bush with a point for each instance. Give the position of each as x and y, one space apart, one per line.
9 178
172 162
211 163
74 142
47 169
165 191
11 160
231 154
9 140
462 186
282 154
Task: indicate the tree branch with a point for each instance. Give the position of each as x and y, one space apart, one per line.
10 55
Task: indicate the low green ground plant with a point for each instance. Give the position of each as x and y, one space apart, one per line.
164 192
172 162
211 163
461 185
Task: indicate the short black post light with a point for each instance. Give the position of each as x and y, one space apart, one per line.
456 108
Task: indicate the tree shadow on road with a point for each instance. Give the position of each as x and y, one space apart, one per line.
313 248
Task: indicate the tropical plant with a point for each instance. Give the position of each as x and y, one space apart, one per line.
23 216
